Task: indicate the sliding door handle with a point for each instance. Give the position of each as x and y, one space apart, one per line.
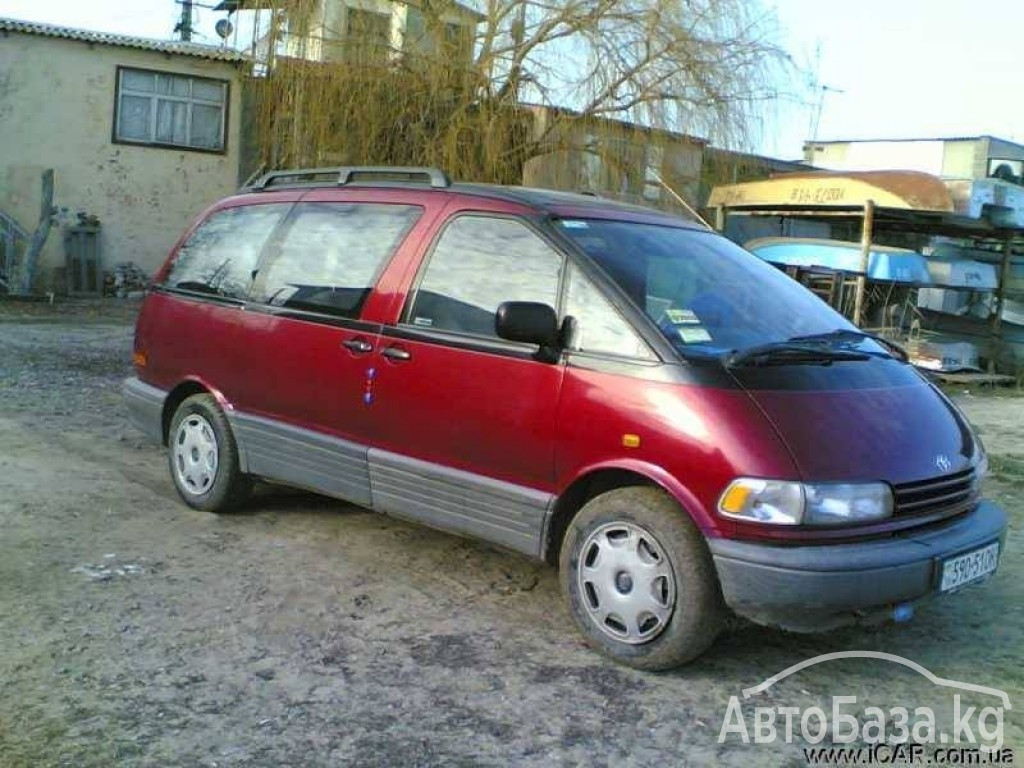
396 353
358 345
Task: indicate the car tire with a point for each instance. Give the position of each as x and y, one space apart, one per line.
639 580
203 457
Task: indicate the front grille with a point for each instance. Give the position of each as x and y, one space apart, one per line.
947 495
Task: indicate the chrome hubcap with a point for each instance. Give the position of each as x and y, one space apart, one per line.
626 583
195 455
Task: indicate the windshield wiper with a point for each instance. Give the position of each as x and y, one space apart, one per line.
789 353
849 335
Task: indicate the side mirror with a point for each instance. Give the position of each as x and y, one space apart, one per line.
527 321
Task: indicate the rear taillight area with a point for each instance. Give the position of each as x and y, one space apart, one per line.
140 346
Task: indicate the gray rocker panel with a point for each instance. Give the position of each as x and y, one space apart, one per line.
145 406
450 499
301 457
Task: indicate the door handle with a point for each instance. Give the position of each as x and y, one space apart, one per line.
396 353
358 345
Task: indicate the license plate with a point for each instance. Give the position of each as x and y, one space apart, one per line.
969 567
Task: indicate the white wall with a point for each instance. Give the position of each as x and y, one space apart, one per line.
57 110
925 156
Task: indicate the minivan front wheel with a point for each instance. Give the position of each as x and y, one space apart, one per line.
203 456
639 580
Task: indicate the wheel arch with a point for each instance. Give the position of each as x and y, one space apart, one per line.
179 394
593 481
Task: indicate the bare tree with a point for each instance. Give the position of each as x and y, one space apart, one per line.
456 89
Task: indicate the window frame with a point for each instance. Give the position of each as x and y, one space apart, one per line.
662 351
597 354
572 258
236 301
463 339
272 251
116 138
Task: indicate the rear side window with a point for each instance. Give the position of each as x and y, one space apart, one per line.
330 254
478 263
220 257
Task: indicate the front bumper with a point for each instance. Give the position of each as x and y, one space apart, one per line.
145 407
814 588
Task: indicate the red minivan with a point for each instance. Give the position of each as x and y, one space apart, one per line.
681 428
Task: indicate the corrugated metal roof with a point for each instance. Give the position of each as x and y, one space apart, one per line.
123 41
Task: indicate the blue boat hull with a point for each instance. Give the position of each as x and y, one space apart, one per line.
895 265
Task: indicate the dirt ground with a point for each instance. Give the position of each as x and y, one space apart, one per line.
306 632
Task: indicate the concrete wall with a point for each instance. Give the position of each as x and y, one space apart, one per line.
963 160
57 111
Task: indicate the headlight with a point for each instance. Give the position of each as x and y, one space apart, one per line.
763 501
781 502
838 504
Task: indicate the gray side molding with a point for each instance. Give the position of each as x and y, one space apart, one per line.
503 513
302 457
145 406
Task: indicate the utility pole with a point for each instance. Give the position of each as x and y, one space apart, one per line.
184 27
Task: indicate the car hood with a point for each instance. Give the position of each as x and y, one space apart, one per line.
862 421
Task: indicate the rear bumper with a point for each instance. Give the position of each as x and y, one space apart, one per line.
813 588
145 407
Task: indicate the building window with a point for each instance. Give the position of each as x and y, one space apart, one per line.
170 110
369 37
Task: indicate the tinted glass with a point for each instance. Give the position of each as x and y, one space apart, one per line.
600 328
706 294
330 255
221 255
478 263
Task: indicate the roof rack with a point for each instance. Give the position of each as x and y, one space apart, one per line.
348 175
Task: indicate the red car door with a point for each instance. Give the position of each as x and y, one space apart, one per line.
464 422
301 411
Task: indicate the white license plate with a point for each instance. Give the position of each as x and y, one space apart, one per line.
969 567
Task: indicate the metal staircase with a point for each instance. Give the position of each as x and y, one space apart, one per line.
14 245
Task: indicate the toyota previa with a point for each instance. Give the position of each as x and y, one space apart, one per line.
680 428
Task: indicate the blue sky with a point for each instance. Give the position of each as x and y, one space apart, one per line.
900 68
907 68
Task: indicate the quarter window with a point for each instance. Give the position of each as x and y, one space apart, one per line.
172 110
600 328
479 263
331 254
220 257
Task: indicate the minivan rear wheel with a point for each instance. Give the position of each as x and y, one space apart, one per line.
639 580
203 456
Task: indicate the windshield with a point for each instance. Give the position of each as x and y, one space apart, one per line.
706 294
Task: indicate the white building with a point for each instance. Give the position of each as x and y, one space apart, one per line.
141 134
970 157
363 31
